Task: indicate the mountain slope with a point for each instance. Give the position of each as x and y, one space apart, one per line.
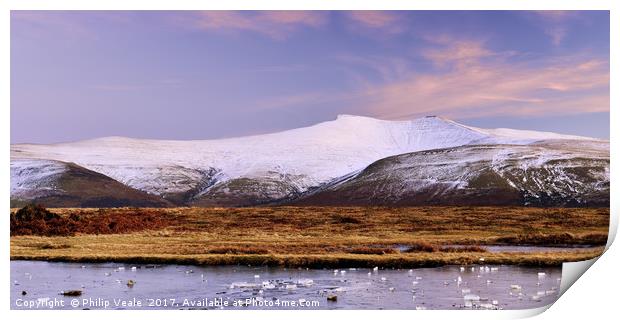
550 173
268 168
60 184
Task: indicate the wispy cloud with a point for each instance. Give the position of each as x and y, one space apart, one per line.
40 23
275 24
557 34
386 68
470 80
555 23
473 86
280 25
385 21
458 53
466 78
557 15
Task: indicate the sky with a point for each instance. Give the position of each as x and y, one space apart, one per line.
214 74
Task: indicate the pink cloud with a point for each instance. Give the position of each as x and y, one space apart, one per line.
275 24
556 15
383 20
389 69
309 18
473 86
459 53
473 81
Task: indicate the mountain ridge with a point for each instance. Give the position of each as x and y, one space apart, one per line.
269 168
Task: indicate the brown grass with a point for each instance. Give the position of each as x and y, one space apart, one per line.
36 220
555 239
318 236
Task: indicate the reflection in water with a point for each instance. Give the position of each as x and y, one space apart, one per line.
125 286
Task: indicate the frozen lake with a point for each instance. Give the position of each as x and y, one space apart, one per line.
37 285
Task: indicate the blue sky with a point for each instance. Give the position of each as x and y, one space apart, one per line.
212 74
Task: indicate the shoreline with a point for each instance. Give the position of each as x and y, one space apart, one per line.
416 260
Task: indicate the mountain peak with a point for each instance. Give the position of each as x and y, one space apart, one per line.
428 118
437 118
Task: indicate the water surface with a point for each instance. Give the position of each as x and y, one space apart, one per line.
105 286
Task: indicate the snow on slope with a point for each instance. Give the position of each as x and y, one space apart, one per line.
541 173
31 177
306 156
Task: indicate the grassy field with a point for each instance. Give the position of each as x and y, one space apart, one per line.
316 236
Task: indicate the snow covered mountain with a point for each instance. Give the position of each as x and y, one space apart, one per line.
268 168
547 173
61 184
